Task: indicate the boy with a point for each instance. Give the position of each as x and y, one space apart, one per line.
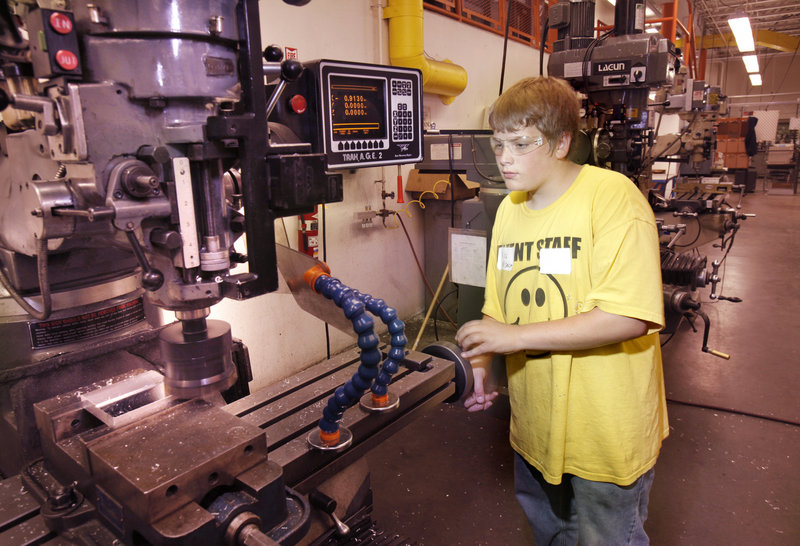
574 300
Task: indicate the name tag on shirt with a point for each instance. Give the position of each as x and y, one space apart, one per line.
555 261
505 258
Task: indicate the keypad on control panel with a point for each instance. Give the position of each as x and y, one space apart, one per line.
402 111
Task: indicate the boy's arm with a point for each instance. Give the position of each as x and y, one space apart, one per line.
595 328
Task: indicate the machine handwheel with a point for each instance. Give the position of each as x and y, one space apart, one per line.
463 369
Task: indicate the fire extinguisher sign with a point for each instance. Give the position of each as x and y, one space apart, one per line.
308 234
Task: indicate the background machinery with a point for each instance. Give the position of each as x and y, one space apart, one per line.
628 76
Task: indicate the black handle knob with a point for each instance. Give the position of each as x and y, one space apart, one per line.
152 280
166 238
273 54
291 69
322 501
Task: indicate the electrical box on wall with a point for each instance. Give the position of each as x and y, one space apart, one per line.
358 115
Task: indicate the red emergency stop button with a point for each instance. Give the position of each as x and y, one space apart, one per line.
60 23
298 104
66 59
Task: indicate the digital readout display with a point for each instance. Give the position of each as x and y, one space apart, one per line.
358 107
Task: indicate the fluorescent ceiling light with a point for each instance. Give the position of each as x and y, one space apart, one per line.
750 63
755 80
740 25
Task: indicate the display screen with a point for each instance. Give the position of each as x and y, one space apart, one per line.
358 106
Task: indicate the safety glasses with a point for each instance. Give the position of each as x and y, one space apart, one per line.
515 146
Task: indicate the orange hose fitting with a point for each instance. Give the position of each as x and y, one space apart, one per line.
317 271
380 401
329 438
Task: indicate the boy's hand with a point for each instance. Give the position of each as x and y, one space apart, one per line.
479 400
487 336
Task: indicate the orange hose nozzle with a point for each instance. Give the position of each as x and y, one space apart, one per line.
329 438
317 271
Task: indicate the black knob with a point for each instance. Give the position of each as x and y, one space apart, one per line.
291 69
273 54
320 500
152 280
166 238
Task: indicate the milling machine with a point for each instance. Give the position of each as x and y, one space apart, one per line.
616 72
135 149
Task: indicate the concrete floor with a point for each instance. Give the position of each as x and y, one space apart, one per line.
728 474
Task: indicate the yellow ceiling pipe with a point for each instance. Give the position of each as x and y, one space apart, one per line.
406 49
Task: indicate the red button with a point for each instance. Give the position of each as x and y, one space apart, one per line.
60 23
298 104
66 59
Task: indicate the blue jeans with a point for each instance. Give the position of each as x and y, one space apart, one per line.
578 510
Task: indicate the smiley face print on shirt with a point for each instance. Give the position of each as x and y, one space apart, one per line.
531 296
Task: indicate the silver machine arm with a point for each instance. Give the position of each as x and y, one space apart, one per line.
134 152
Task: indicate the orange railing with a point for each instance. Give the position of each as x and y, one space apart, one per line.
524 16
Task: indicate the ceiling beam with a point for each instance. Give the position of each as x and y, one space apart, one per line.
777 40
764 38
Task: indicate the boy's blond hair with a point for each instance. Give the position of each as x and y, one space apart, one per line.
545 102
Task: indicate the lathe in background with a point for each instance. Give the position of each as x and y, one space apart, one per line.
134 152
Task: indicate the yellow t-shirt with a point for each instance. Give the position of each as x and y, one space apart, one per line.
601 413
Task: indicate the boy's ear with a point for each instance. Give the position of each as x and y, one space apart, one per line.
562 148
